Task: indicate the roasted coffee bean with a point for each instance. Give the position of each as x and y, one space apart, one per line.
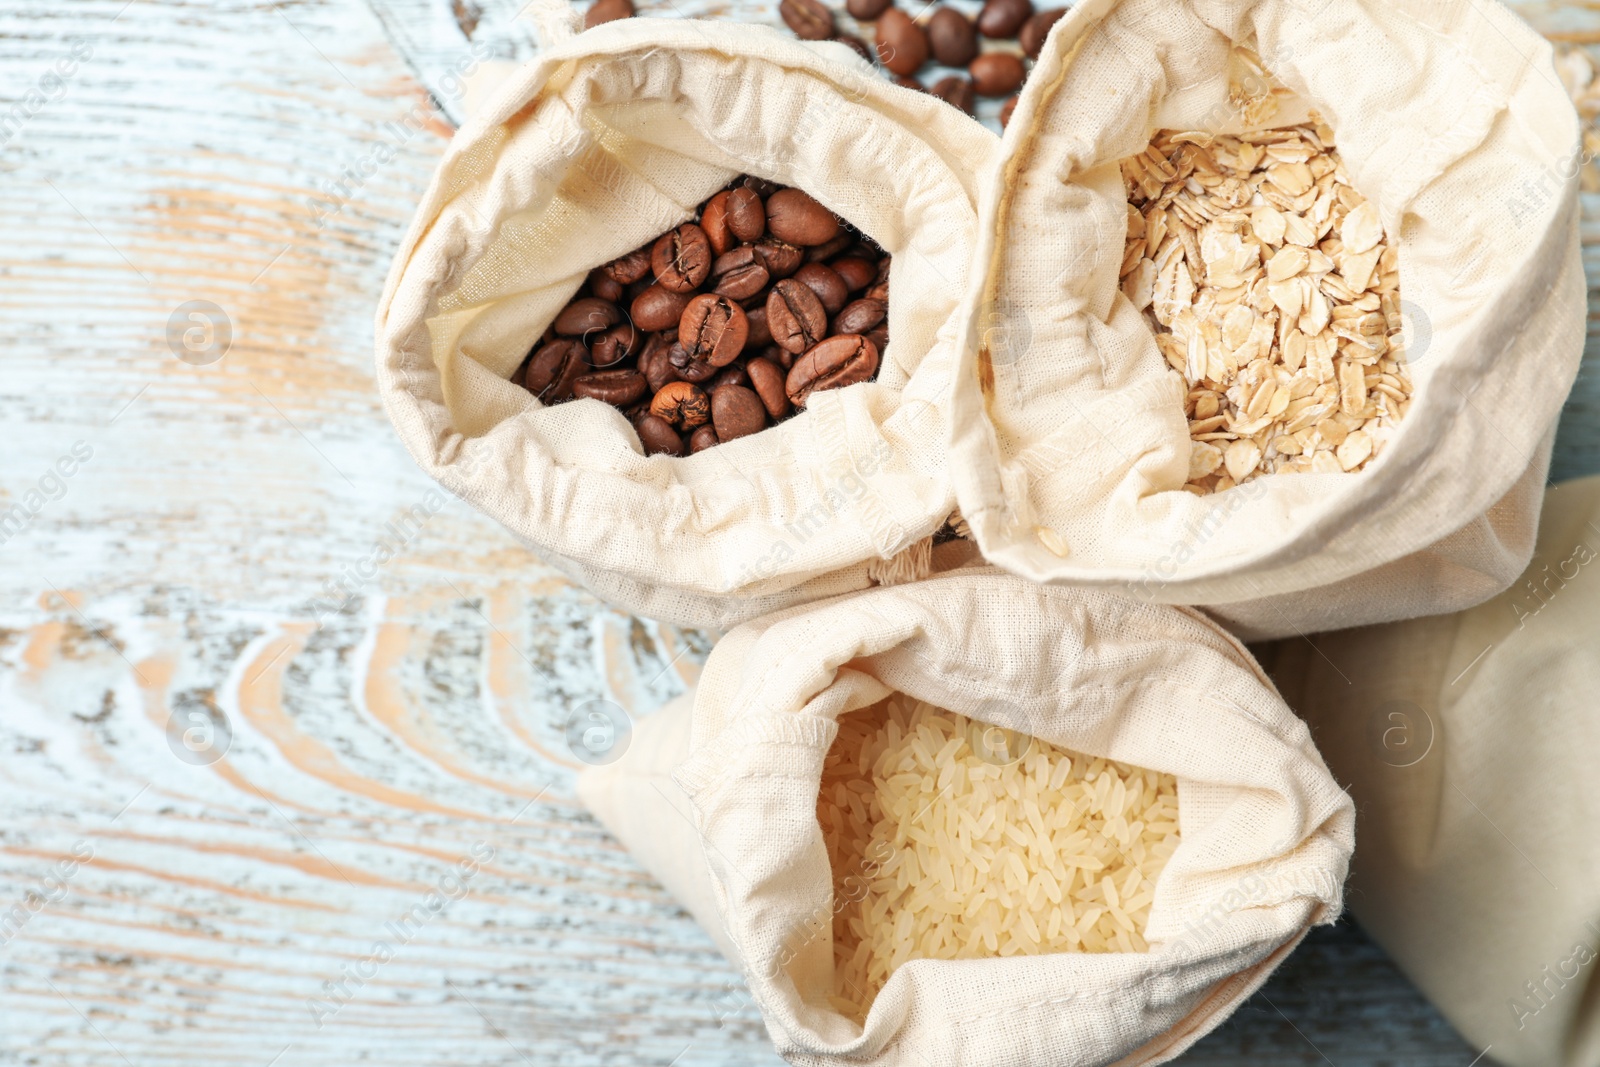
604 286
866 10
865 250
766 378
780 356
857 273
682 405
841 360
658 309
795 316
879 336
702 439
857 45
636 287
747 215
681 258
823 252
738 274
879 289
736 412
713 330
714 221
762 187
616 387
957 92
631 267
614 345
952 38
603 11
1005 112
779 257
908 83
826 283
809 19
1003 18
797 218
585 315
554 368
859 316
733 374
996 74
655 362
1036 29
760 334
902 46
689 369
658 436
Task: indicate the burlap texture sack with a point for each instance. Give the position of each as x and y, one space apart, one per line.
1470 743
1267 834
601 143
1070 445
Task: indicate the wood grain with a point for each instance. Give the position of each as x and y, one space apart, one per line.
376 706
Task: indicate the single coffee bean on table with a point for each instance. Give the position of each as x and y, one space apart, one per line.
952 38
724 325
996 74
809 19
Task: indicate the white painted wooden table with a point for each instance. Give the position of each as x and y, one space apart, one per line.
237 827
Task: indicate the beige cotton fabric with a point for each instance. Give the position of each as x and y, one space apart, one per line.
1070 447
598 145
1266 832
1471 744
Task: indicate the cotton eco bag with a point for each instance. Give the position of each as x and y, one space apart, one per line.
1470 744
598 145
1070 441
1265 831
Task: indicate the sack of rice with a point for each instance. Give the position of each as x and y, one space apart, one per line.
1278 304
642 316
975 820
1479 868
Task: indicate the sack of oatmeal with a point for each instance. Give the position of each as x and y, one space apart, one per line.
1279 302
976 820
1479 869
642 316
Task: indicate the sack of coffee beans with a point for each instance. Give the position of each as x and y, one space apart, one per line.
1280 304
974 820
1470 743
643 316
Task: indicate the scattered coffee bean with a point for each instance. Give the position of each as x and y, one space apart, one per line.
553 369
856 45
682 258
826 283
682 406
957 92
908 83
1036 29
1003 18
902 46
738 274
736 412
996 74
952 38
713 330
603 11
866 10
616 387
809 19
658 436
1005 112
795 316
843 359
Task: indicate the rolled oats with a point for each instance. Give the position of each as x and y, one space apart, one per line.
1274 291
